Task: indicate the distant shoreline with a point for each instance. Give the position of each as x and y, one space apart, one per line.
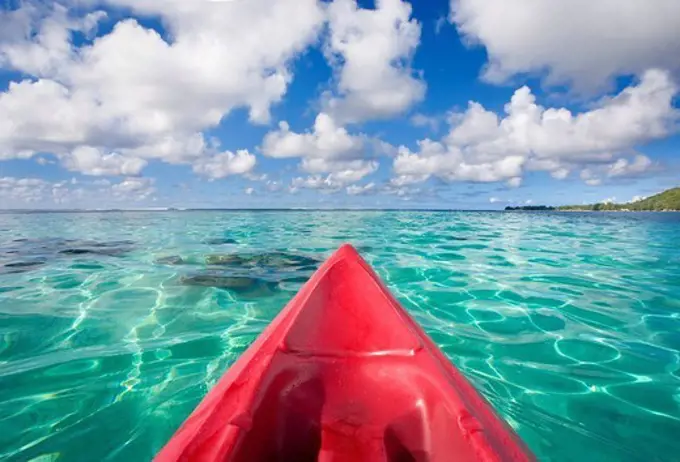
64 211
593 211
666 201
620 211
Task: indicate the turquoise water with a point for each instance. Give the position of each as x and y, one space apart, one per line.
113 326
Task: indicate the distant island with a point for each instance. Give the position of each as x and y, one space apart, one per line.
530 207
667 201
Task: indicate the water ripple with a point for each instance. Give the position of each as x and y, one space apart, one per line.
114 326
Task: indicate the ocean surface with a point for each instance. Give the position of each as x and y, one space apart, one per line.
113 326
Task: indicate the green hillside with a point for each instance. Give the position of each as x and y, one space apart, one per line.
667 200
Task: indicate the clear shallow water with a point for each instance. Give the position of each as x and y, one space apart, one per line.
110 331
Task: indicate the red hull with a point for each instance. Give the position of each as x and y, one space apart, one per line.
344 374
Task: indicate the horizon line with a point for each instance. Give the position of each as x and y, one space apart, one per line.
252 209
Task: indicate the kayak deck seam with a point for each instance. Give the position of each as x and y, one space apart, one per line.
400 353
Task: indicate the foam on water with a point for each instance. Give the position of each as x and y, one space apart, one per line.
110 331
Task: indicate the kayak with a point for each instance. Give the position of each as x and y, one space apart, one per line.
343 373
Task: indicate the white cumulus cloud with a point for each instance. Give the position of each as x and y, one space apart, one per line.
135 188
39 193
328 148
482 146
371 50
225 164
625 167
579 42
355 190
21 191
326 141
451 163
342 174
131 95
93 161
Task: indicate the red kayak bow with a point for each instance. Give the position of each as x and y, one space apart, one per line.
343 373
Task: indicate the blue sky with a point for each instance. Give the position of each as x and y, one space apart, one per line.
468 104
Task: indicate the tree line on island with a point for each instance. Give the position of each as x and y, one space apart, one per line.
668 200
530 207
